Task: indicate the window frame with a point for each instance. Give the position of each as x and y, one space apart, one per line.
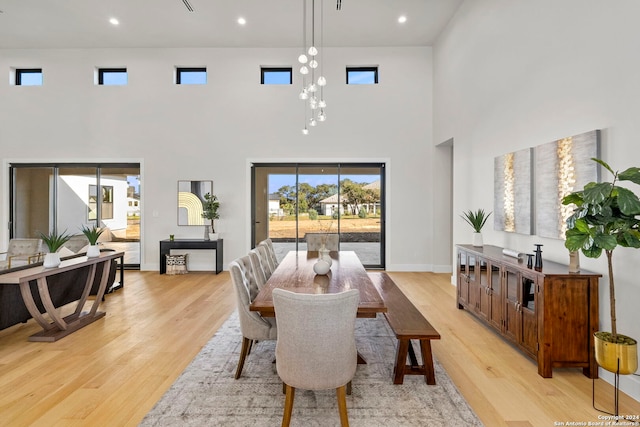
21 71
264 70
102 71
374 69
180 70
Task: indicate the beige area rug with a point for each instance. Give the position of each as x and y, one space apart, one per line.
206 394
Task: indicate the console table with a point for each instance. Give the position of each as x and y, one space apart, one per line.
62 326
167 245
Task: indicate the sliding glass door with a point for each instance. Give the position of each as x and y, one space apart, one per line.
65 197
292 200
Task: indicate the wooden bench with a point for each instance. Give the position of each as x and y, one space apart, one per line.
407 323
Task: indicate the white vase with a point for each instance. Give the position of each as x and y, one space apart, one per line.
321 267
93 251
51 260
213 236
477 240
324 255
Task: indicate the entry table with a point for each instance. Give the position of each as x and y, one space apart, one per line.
167 245
61 327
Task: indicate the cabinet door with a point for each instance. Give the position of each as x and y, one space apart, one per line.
484 285
463 279
511 301
495 297
529 324
473 277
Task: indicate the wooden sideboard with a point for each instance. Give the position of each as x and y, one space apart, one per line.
550 314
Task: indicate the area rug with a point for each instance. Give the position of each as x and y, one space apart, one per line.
206 394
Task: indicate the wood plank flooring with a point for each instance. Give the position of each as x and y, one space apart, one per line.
112 372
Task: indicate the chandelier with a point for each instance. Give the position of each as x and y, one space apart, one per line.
311 68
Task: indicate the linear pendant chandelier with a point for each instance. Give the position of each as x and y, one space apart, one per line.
311 68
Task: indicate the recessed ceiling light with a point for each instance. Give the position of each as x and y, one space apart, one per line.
114 21
242 21
402 19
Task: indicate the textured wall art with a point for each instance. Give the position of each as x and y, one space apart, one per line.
512 195
561 167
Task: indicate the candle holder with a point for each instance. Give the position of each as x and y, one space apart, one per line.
538 262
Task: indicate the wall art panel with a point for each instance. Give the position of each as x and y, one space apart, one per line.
512 195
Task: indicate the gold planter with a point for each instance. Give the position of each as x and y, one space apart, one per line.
608 354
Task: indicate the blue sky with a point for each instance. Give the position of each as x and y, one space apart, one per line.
277 181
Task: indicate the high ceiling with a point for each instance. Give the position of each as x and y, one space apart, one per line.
213 23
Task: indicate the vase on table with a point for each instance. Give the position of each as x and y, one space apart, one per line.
51 260
323 254
93 251
207 230
477 240
321 267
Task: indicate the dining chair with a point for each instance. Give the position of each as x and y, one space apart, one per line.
257 266
21 252
265 260
252 325
272 252
316 347
315 241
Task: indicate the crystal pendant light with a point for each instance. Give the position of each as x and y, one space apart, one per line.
322 116
313 63
302 59
312 88
322 81
312 121
313 51
322 103
304 70
305 131
304 94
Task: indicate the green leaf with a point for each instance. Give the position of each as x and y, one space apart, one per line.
576 240
605 241
592 252
603 164
628 202
630 239
575 198
631 174
581 225
595 193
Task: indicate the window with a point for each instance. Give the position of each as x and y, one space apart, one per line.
275 76
29 77
191 76
362 75
107 202
112 76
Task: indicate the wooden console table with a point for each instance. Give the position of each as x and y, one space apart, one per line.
62 326
167 245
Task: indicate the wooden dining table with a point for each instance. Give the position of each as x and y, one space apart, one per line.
295 273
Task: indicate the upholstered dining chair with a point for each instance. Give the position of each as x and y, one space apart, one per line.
253 326
314 241
265 260
21 252
316 347
272 252
257 263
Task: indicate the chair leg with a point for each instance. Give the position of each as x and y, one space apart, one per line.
349 388
288 405
246 347
342 405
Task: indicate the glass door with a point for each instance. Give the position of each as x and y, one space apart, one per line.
290 201
67 197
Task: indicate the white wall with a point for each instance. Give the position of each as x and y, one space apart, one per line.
211 132
515 74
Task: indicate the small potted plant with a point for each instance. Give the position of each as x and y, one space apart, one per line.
54 242
607 216
476 220
92 234
210 211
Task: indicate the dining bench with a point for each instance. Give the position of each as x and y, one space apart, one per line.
407 323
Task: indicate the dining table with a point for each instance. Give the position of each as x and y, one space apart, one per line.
295 273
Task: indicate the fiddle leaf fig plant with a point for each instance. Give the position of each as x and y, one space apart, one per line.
210 209
606 216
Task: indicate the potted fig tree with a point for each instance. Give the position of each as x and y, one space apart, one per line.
210 211
607 216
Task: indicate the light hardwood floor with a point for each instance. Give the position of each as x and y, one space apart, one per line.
112 372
